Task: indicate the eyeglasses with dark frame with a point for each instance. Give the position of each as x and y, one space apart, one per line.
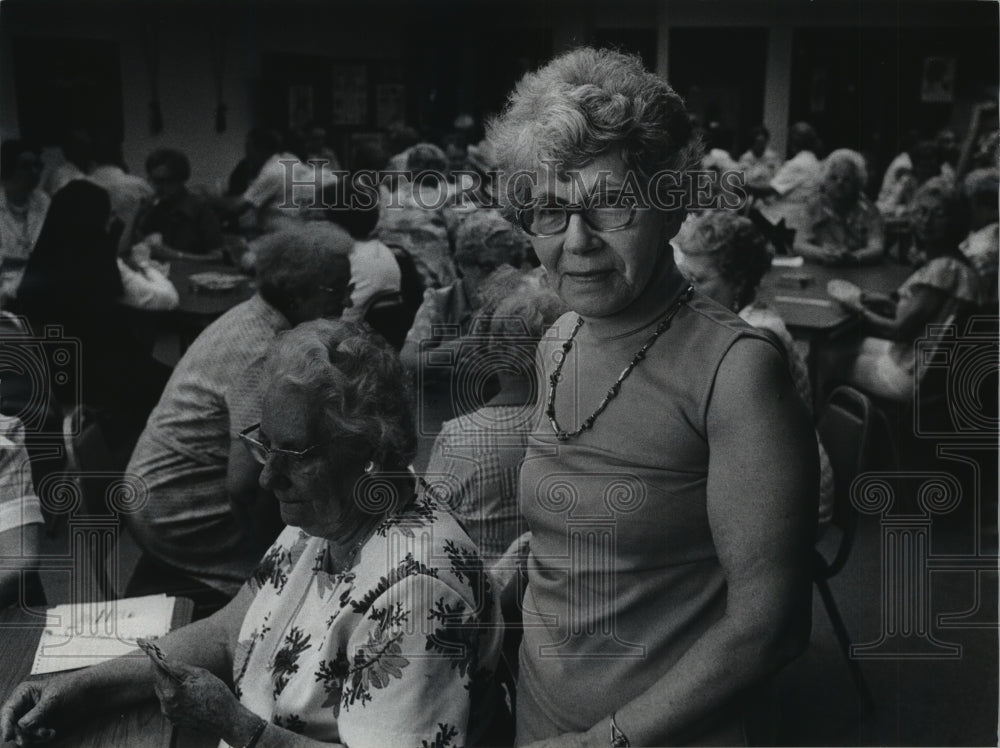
551 219
261 452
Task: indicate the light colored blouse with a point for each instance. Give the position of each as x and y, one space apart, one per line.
398 650
950 276
147 288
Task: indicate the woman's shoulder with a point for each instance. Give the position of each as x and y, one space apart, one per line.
948 274
765 318
429 518
709 321
424 544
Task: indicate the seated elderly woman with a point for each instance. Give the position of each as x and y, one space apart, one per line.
75 279
416 214
662 583
369 622
485 242
838 225
724 256
982 245
178 225
794 179
904 177
759 163
374 269
477 456
206 521
941 289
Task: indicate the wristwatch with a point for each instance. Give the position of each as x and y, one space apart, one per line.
618 738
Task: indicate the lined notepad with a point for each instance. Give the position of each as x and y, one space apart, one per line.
82 634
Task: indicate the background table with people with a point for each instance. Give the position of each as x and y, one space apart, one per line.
115 259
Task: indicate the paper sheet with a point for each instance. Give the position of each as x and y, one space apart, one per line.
787 262
82 634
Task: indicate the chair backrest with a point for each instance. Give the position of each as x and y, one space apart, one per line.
390 313
411 283
845 428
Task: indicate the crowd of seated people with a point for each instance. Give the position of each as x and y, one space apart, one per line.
206 523
477 455
279 453
944 288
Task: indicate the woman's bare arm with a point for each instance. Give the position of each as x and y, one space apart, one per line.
762 504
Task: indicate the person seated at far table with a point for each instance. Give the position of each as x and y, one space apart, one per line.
22 205
206 521
417 215
75 279
759 163
315 147
266 205
20 519
725 257
77 162
348 632
485 242
178 225
981 245
374 269
944 287
128 192
904 176
794 179
477 456
838 225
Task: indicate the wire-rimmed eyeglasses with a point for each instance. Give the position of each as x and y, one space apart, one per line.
261 452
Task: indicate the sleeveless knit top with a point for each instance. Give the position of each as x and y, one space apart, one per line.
623 575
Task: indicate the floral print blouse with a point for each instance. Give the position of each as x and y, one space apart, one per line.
399 650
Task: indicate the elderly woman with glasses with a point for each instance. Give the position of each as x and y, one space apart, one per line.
369 622
671 484
838 225
943 289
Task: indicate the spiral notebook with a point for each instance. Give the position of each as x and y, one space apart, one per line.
81 634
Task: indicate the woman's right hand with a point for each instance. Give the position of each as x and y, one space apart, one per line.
36 708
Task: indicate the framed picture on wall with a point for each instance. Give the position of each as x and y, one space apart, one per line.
937 86
350 95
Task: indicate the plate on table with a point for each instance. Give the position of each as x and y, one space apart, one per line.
215 282
844 291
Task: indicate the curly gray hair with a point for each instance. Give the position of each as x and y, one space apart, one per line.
588 102
734 246
853 159
356 380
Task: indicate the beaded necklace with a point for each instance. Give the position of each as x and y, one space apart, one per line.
550 409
